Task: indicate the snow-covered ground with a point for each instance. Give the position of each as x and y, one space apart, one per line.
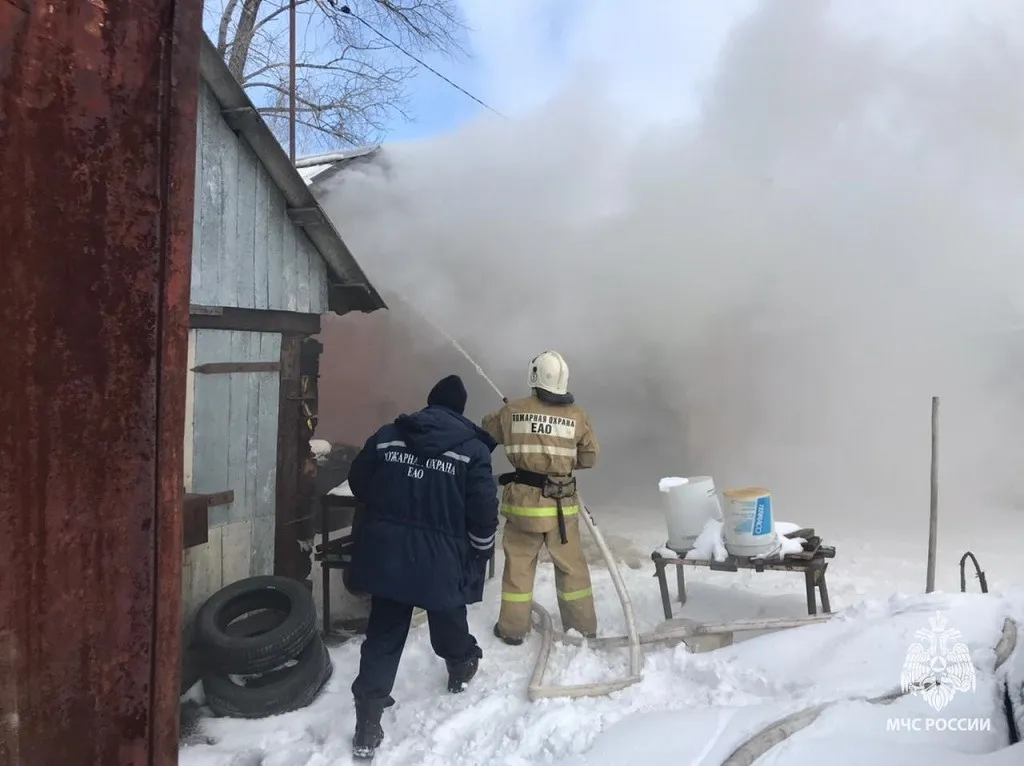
689 708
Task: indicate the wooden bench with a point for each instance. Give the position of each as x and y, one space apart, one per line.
812 561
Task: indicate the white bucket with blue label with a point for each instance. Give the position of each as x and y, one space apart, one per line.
749 528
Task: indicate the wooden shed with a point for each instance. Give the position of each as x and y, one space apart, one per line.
267 264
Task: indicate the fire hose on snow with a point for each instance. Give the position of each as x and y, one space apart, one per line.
537 689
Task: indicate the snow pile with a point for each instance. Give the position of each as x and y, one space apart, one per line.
342 490
710 543
693 709
790 545
320 448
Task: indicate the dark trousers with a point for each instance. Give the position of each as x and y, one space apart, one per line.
386 632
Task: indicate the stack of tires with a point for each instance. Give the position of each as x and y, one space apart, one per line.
260 648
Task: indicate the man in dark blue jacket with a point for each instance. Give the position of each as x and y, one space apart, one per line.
426 535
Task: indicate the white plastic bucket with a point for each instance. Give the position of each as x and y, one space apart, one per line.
689 503
749 528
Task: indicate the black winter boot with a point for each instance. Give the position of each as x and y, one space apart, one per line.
369 733
461 673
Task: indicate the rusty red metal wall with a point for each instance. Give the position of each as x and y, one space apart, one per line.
372 369
97 152
376 366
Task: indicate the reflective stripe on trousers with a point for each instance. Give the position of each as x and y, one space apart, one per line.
521 598
517 598
575 595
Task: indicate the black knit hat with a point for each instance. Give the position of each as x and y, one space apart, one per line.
449 392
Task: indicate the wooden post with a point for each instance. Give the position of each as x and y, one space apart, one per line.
289 559
933 516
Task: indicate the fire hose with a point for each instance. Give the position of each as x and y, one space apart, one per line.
537 690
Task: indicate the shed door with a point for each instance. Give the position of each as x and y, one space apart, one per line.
231 444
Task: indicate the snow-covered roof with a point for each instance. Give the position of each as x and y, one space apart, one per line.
316 168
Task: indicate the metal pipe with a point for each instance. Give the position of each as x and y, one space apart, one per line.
977 568
933 511
291 81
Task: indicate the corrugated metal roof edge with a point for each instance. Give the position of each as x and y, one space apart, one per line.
329 165
303 208
335 156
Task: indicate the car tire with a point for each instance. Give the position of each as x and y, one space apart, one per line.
281 690
281 608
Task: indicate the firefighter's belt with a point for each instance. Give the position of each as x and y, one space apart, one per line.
557 489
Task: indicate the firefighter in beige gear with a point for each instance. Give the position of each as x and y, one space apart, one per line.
546 436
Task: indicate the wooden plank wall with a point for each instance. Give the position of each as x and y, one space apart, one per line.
234 424
246 252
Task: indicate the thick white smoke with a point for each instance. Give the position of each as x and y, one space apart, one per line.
770 293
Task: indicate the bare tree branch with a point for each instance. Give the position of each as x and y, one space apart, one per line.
350 82
358 69
243 37
225 24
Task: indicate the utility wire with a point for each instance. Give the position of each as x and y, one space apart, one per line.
348 12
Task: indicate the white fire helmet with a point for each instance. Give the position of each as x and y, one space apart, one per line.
550 373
